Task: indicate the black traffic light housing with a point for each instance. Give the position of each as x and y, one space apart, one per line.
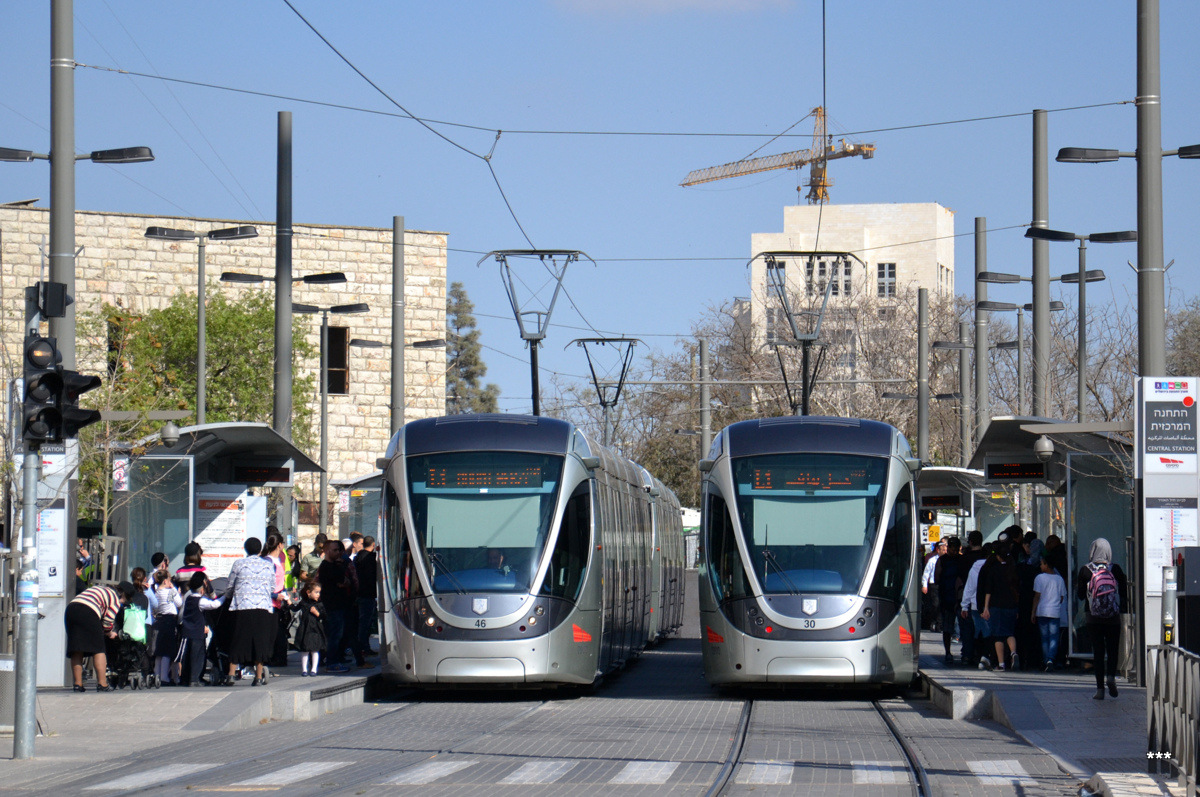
73 417
41 416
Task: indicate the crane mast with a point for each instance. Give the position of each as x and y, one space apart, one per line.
815 157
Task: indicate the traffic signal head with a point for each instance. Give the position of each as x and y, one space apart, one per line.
41 416
74 418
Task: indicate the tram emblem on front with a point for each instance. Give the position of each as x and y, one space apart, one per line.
809 606
479 605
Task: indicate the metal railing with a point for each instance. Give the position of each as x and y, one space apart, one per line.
1174 714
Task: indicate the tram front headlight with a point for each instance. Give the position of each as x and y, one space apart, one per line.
532 621
429 621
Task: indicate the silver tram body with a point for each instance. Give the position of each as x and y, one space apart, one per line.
519 551
809 554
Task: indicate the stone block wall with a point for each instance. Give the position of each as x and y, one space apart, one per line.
118 264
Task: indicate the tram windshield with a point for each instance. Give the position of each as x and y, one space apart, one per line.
810 520
481 518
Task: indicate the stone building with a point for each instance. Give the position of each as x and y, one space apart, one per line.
118 264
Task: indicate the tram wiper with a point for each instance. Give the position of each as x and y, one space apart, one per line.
436 558
769 558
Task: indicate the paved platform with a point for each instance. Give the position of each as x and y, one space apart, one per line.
1100 742
78 729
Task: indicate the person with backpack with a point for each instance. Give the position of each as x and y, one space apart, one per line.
1101 586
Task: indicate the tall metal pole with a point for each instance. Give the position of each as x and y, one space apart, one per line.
201 336
964 390
324 420
607 440
923 374
1041 267
25 719
62 169
1081 388
705 401
983 410
1152 341
533 376
283 306
397 323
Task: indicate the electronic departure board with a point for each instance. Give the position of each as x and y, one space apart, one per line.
1016 471
942 501
790 477
454 476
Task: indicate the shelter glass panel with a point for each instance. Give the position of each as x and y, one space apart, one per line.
160 509
1100 504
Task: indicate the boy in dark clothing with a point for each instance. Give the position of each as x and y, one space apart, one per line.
192 628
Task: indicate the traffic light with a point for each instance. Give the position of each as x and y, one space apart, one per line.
74 418
41 417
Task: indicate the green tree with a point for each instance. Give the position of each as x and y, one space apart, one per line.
465 366
148 363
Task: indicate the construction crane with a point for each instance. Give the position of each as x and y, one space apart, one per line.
822 151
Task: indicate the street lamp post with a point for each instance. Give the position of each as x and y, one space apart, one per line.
340 309
1082 277
223 234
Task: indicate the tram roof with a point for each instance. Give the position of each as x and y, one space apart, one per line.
810 434
487 432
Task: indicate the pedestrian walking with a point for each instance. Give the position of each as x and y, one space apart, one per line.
1049 597
998 586
1101 586
948 577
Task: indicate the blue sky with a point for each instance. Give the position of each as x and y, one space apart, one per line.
616 66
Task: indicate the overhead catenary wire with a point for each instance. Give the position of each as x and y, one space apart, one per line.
597 133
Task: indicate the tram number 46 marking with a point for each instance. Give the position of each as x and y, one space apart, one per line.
481 623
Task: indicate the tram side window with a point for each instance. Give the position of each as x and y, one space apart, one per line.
399 562
571 551
895 557
728 576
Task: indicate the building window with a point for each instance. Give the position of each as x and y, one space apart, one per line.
339 361
772 319
887 280
836 270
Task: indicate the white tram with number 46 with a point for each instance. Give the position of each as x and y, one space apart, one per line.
519 551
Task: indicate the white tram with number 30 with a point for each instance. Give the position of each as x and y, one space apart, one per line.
809 554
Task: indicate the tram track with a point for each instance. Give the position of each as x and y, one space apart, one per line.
724 780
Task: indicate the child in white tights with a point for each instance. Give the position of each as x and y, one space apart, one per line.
310 634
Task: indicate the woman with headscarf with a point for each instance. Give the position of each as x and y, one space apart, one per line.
1104 627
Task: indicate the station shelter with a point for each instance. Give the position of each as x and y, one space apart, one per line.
359 505
1075 481
209 486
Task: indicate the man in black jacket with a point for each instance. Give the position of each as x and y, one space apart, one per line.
367 565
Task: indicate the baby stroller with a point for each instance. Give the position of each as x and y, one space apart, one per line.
130 660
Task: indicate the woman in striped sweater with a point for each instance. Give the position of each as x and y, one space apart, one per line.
89 619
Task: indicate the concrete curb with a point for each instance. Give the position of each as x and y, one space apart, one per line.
968 703
239 711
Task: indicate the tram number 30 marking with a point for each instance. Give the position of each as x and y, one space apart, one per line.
810 623
481 623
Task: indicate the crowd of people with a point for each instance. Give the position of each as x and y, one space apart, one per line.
185 629
1006 603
